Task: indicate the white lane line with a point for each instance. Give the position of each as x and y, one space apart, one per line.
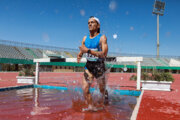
136 109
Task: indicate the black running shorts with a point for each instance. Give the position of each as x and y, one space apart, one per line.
97 68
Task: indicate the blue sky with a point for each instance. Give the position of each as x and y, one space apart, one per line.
129 25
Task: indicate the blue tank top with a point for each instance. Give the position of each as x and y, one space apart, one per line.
93 44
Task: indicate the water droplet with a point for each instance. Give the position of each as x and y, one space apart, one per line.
32 113
125 69
115 36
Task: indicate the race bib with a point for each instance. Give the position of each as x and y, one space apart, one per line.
91 57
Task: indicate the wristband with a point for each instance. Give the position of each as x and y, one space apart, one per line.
89 51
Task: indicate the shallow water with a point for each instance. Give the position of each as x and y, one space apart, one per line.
48 104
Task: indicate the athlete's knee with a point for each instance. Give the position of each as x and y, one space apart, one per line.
86 88
88 76
102 88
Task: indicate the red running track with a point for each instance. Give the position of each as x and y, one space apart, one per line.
159 105
155 105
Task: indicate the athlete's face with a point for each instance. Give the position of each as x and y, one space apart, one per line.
92 24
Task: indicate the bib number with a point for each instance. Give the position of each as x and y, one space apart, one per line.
91 57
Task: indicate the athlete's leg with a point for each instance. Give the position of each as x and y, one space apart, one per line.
86 83
103 90
101 79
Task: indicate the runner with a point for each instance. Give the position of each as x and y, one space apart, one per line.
95 48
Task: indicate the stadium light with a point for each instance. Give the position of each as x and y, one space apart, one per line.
158 9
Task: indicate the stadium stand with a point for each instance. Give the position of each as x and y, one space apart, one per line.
37 52
10 52
26 52
18 50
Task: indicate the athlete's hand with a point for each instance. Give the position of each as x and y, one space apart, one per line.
79 56
83 49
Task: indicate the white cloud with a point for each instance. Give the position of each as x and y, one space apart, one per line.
71 16
115 36
143 36
112 5
42 12
56 11
142 27
168 34
127 12
45 37
7 8
131 28
82 12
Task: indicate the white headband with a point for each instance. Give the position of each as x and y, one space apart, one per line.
96 19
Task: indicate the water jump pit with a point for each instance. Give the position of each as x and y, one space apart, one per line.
61 103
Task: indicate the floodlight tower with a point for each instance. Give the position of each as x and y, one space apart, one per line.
158 9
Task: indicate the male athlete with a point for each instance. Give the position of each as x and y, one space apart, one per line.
95 48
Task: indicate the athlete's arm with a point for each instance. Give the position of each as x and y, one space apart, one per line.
80 54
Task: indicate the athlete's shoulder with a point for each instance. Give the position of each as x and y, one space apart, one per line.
84 38
103 37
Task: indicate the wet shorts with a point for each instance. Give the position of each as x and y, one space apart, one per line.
97 68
